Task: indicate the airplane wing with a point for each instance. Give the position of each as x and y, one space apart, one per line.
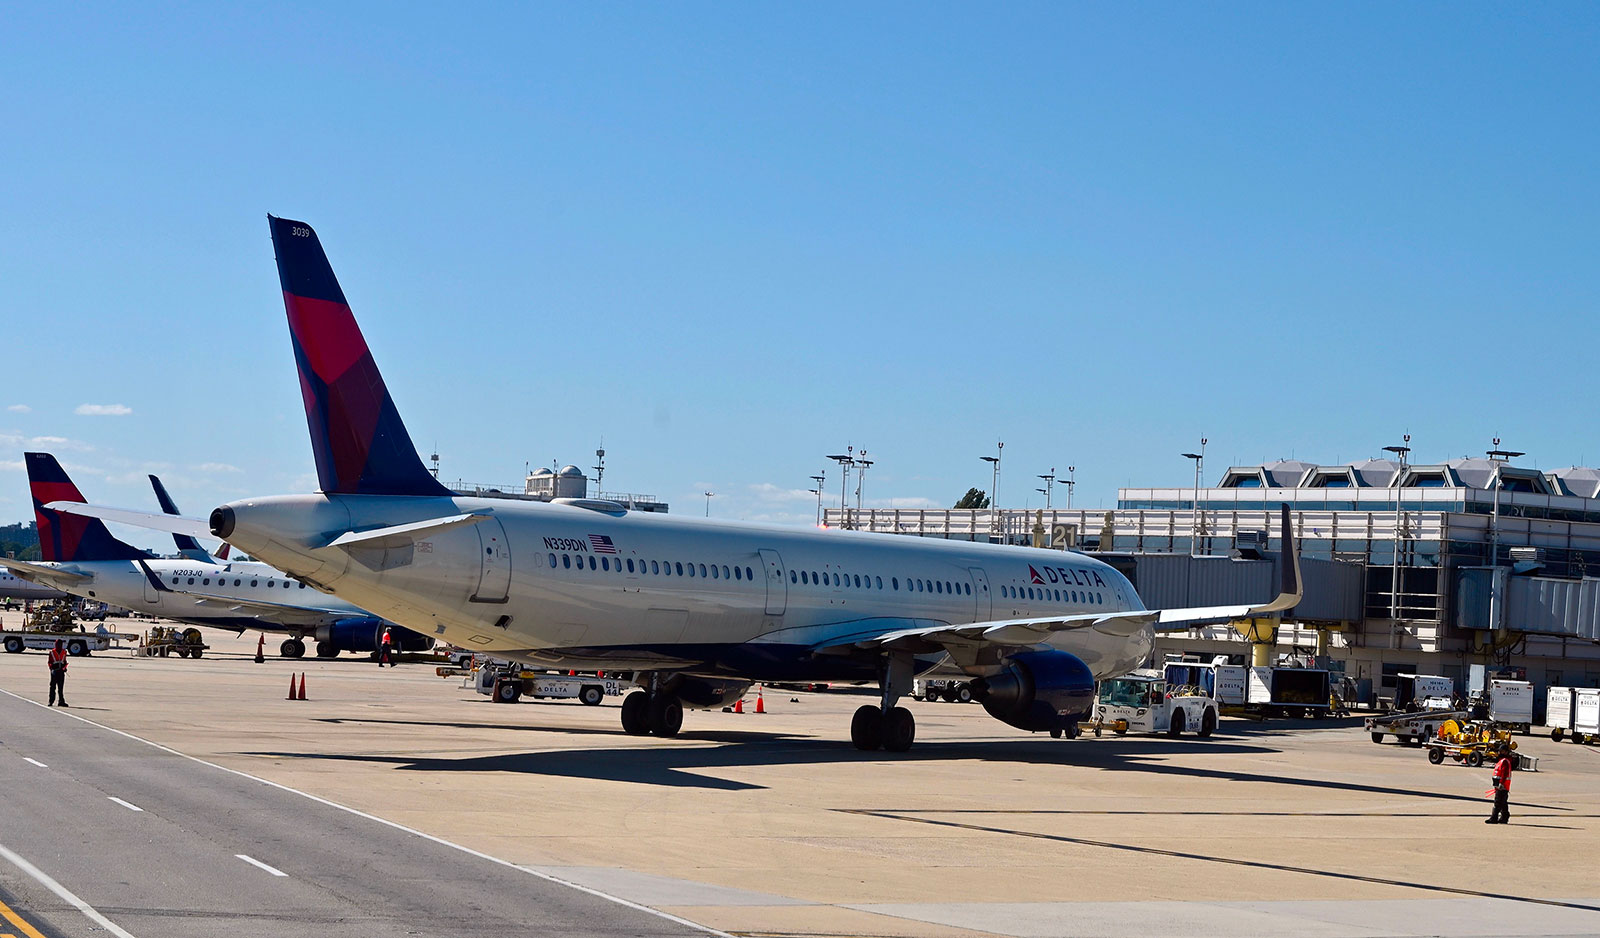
277 612
39 573
1032 631
172 524
407 531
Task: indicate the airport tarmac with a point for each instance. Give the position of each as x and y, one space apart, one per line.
749 824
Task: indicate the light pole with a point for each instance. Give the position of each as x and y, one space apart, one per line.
1502 457
994 488
862 465
709 496
1394 574
1194 518
819 479
599 468
844 460
1049 483
1071 472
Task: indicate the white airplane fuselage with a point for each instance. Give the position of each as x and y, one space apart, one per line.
15 587
125 583
550 582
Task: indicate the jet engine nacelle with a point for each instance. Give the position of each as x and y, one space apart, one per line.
1038 690
365 634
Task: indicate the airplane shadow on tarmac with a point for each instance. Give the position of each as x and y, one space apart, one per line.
677 766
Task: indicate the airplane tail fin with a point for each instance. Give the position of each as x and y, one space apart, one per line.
360 444
187 546
63 537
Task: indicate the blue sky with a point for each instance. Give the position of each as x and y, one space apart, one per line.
729 239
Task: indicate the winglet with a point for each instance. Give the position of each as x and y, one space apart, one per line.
63 537
1291 588
187 546
360 445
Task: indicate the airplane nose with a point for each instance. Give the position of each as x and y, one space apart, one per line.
222 522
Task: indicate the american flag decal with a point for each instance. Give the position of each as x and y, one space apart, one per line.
602 544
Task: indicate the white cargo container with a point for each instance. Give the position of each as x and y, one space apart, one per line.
1511 702
1559 709
1223 683
1412 689
1586 716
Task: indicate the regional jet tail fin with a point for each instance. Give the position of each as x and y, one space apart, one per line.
64 538
360 445
187 545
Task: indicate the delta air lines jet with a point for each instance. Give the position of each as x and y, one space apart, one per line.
697 609
82 557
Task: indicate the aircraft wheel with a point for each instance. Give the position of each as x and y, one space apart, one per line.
666 716
635 718
1055 733
1178 725
327 650
1208 724
899 730
592 695
292 648
1435 755
866 728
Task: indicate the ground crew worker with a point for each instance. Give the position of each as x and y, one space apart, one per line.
386 649
1502 788
58 674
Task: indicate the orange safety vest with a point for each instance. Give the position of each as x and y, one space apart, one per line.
58 658
1502 774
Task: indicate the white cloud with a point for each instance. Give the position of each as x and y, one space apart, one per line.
216 467
13 465
103 410
20 409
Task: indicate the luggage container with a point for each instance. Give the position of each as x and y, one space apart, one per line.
1586 716
1559 711
1224 683
1412 689
1285 691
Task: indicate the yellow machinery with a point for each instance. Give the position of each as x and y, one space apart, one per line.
1471 742
164 640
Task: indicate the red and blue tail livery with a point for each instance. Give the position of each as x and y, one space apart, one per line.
360 445
65 538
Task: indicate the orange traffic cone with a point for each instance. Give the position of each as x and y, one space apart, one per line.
738 705
761 704
291 685
302 686
261 644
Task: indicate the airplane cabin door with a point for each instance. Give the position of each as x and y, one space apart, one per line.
983 602
151 594
494 581
777 584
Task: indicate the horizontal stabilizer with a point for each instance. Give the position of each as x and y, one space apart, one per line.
40 573
409 531
155 521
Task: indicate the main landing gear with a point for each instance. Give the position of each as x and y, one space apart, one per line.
645 713
292 648
886 726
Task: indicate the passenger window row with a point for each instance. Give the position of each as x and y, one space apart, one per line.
860 581
223 581
652 567
1093 598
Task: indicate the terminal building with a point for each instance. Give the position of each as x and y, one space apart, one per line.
1408 568
567 483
